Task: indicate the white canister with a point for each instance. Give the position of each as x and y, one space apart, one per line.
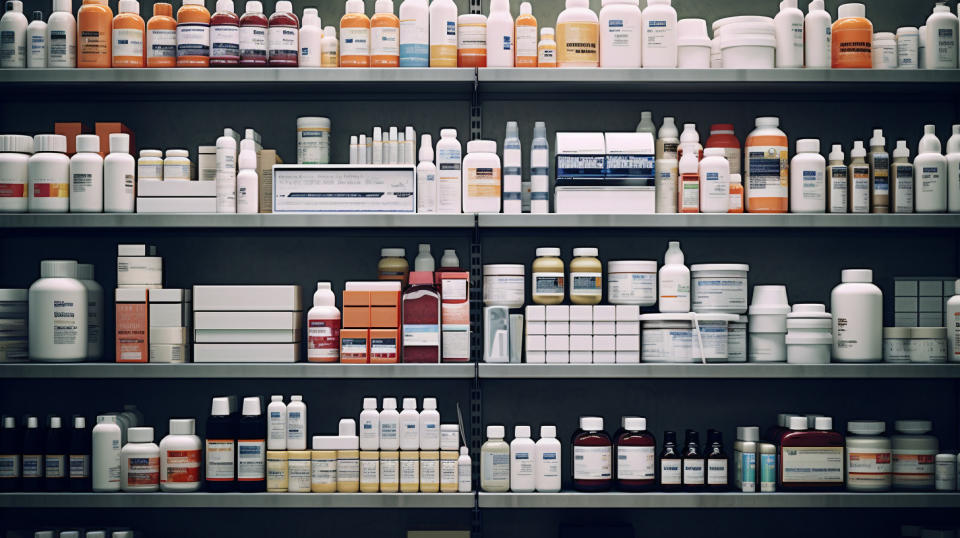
884 51
928 344
714 334
503 285
632 282
719 287
737 339
896 344
741 48
313 140
768 347
667 338
808 348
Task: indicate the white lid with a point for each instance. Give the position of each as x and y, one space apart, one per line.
276 398
251 406
354 6
448 133
884 36
787 4
503 269
119 143
55 423
896 332
389 403
254 6
409 403
84 271
140 435
851 10
856 275
658 3
548 251
823 423
101 419
220 406
901 150
370 403
521 431
525 8
692 29
858 149
743 29
14 5
128 6
52 143
150 153
63 5
767 121
770 294
178 153
720 23
225 6
33 424
808 339
938 333
324 442
677 316
635 424
747 40
88 143
808 310
797 423
815 5
808 145
714 152
735 178
495 432
283 6
549 32
182 426
715 316
79 423
296 398
941 7
866 427
330 31
632 266
311 17
907 30
347 427
548 431
383 6
58 269
877 139
913 427
393 253
481 146
586 252
748 433
13 295
720 266
429 404
591 424
836 154
945 458
16 144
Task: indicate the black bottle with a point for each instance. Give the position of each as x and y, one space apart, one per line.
78 457
671 465
693 464
717 464
251 447
32 458
9 455
221 447
55 457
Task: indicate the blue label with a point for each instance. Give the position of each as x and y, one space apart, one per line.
506 42
549 455
414 55
713 176
748 472
657 24
521 456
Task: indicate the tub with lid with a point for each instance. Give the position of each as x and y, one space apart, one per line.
719 287
503 285
632 282
666 337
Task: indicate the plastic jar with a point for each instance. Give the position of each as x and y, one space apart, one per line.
48 172
636 456
482 184
808 169
592 456
852 38
393 265
857 306
748 45
667 338
719 287
946 472
914 453
503 285
632 282
884 51
722 136
299 471
150 165
180 456
278 478
766 165
472 40
620 33
578 35
140 461
714 172
896 344
546 281
928 344
323 464
737 339
908 42
868 464
693 44
313 140
15 151
389 471
586 276
177 165
282 39
714 334
809 336
58 313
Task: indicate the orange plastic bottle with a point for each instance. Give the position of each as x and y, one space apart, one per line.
162 37
193 34
94 24
852 38
525 36
384 36
736 194
354 36
128 30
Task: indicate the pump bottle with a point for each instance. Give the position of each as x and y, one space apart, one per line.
930 174
426 177
674 281
323 326
953 171
901 186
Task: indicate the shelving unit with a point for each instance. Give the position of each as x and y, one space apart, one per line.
236 371
641 501
245 501
718 371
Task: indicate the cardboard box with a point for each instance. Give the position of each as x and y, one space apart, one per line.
385 298
455 346
354 346
344 188
386 317
384 346
254 336
132 323
168 353
176 205
248 320
247 298
136 250
265 161
152 188
70 129
356 317
246 352
104 129
455 297
581 357
140 271
356 298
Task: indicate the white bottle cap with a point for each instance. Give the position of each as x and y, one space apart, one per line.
635 424
856 275
276 398
787 4
464 451
87 143
14 5
767 121
748 433
823 423
448 133
33 424
52 143
548 251
735 178
225 6
591 424
913 427
525 8
928 144
79 423
63 5
715 152
58 269
9 423
220 406
548 431
128 6
495 432
797 423
140 435
330 31
878 139
347 427
858 149
547 32
247 160
182 426
84 271
808 145
410 403
383 6
119 143
370 403
429 404
193 2
16 144
521 431
426 148
815 5
55 423
283 6
586 252
837 153
354 6
389 403
310 17
251 406
901 150
101 419
254 6
846 11
296 398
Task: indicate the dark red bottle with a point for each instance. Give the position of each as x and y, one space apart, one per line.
224 36
811 460
671 465
592 456
283 36
253 36
636 456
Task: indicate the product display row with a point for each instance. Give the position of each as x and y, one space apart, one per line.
437 36
88 533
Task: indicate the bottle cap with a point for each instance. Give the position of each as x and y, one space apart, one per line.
591 424
87 143
389 403
846 11
928 144
767 121
84 271
673 255
878 139
79 423
464 451
251 406
283 6
548 251
521 431
429 404
635 424
128 6
586 252
254 6
525 8
426 148
823 423
160 9
220 406
545 33
33 424
119 143
548 431
383 6
837 153
797 423
857 275
347 426
9 423
370 403
63 5
276 398
140 435
182 426
330 31
296 398
482 146
540 128
787 4
748 433
866 427
901 150
225 6
815 5
858 149
14 5
913 427
101 419
410 404
714 152
513 130
808 145
495 432
448 133
55 423
37 16
16 144
735 178
311 17
58 269
52 143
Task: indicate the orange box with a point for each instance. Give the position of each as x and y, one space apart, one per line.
354 346
356 298
69 129
455 300
385 317
104 129
384 346
132 325
385 298
356 317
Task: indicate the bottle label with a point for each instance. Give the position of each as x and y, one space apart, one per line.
748 472
621 34
767 172
712 293
388 431
283 42
521 464
323 339
54 466
866 466
945 47
577 42
66 330
586 284
161 44
253 42
472 40
389 472
904 193
414 42
9 466
692 472
80 182
465 477
838 189
448 472
220 460
917 466
410 472
768 473
370 472
548 284
635 463
354 42
93 43
429 472
182 466
251 460
592 463
736 203
299 475
323 472
32 466
384 41
822 465
348 469
547 56
225 42
907 46
526 41
421 335
733 157
60 50
296 426
881 175
143 471
930 177
689 193
79 466
495 467
193 39
671 472
50 188
443 43
549 465
860 189
127 42
483 182
632 288
811 186
278 426
656 34
717 472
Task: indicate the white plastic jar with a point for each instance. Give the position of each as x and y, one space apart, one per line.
666 338
180 457
313 140
896 344
694 48
928 344
914 453
15 151
737 339
719 287
908 43
48 171
177 165
150 165
632 282
714 181
809 338
768 324
58 314
140 461
748 45
503 285
808 170
884 50
857 308
714 334
482 186
868 452
620 33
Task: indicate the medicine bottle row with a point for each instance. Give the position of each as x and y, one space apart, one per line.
88 533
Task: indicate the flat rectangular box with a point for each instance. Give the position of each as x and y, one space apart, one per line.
627 357
604 343
558 313
626 342
169 314
905 304
246 352
177 205
132 325
386 317
581 357
536 313
581 327
581 342
385 346
536 357
136 250
604 312
581 312
628 327
169 353
536 343
536 327
580 155
557 357
152 188
628 312
246 298
605 200
930 304
558 327
605 327
604 357
905 287
930 319
169 295
140 270
373 285
384 298
344 188
354 346
168 335
356 298
248 320
454 346
266 159
253 336
558 343
905 319
930 288
455 295
356 317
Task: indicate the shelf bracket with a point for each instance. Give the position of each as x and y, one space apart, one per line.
476 118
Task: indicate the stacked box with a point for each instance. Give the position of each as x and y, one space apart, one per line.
169 313
13 325
455 316
156 196
370 333
921 301
138 266
139 269
583 334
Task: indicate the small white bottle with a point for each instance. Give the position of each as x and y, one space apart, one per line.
930 174
500 35
659 36
37 41
714 182
837 181
248 184
674 281
329 47
140 461
119 171
495 462
548 460
57 295
95 333
908 43
512 170
539 170
808 192
389 425
180 455
858 192
449 164
857 308
311 37
941 49
817 36
429 425
86 176
296 423
953 171
482 182
901 175
62 36
226 174
13 28
620 35
276 423
48 175
953 324
523 473
369 425
464 471
424 260
426 177
409 425
323 326
105 454
788 30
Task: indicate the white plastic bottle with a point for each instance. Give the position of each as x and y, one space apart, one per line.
62 36
808 190
414 33
48 173
389 425
837 181
908 43
311 36
105 454
296 423
13 29
86 176
482 183
765 166
930 174
426 177
369 425
540 170
140 461
180 455
659 38
941 49
276 423
443 33
952 320
859 185
788 29
57 306
227 173
548 450
37 41
495 461
409 425
329 47
621 28
578 35
15 151
464 471
247 181
857 308
323 326
500 35
714 181
673 281
817 37
953 171
429 425
119 173
523 452
95 334
901 179
512 170
424 260
449 163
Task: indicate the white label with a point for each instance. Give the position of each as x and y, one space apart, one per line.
409 472
127 42
220 456
521 464
472 36
548 284
370 472
296 426
150 171
733 157
354 42
33 467
903 179
224 41
717 472
61 51
384 41
692 472
54 466
495 466
9 466
429 471
448 472
586 284
635 463
503 289
592 463
526 42
348 469
283 41
64 321
388 432
251 460
632 288
278 427
838 189
323 472
667 345
869 466
253 42
299 475
766 167
409 434
719 293
193 39
389 471
813 464
656 33
860 189
671 471
161 44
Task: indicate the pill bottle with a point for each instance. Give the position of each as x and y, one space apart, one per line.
140 462
482 186
852 38
811 459
722 136
128 46
714 181
547 278
48 173
928 344
869 460
393 265
659 34
632 282
636 456
177 165
914 455
429 471
896 344
884 55
808 191
592 456
472 40
298 471
354 36
277 471
193 34
118 176
766 168
224 36
578 36
495 462
253 35
348 464
94 27
586 276
547 48
946 472
369 471
389 471
908 43
162 37
86 176
180 455
857 308
15 151
448 471
282 36
58 314
105 450
620 33
150 165
323 464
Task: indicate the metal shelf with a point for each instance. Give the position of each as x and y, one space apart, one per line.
260 220
704 220
719 500
721 371
236 371
236 500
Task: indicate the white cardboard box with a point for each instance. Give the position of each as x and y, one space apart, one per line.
246 298
581 312
248 320
604 312
558 357
246 352
605 327
604 343
628 327
581 342
557 327
604 357
581 357
628 312
344 188
536 343
169 314
536 357
581 327
152 188
628 342
628 357
558 342
605 200
536 327
536 313
177 205
254 336
558 312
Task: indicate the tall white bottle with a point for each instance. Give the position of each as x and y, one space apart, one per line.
105 454
86 176
941 30
429 425
13 28
540 170
426 177
788 29
464 471
953 171
296 423
817 37
500 35
443 33
857 308
389 425
369 425
659 34
37 41
414 33
95 333
548 460
311 38
409 426
449 163
276 423
512 170
62 35
248 184
674 281
930 174
119 171
523 461
226 174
